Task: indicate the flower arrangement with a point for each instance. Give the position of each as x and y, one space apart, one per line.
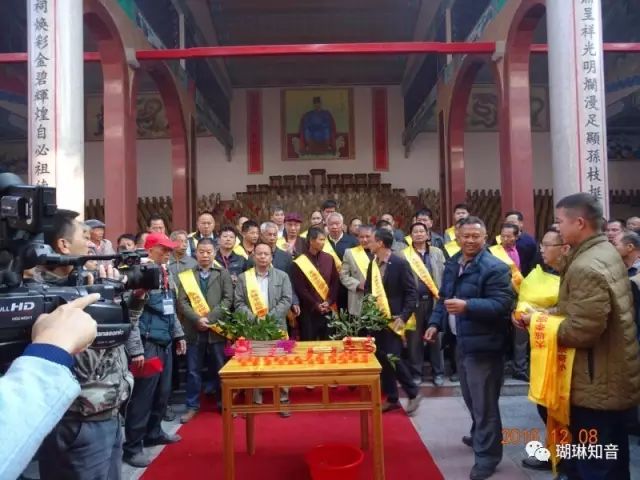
370 320
239 324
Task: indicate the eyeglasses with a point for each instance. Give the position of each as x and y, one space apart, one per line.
548 245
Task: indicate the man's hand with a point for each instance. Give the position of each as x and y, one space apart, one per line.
431 335
323 307
181 347
203 324
138 362
360 287
296 310
398 324
455 306
67 327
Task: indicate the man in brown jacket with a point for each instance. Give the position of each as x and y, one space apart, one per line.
595 297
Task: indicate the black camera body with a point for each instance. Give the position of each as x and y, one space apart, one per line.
26 213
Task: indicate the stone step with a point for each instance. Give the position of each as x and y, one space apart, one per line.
510 387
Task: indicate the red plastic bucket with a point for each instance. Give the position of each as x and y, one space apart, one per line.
334 462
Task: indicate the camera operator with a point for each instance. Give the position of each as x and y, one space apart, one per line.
159 327
39 387
87 443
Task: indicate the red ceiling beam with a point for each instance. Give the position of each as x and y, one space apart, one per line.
388 48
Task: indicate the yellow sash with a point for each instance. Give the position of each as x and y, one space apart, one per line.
538 290
216 263
451 233
408 240
498 240
313 275
197 300
551 368
282 244
452 248
328 248
361 258
258 305
239 250
421 270
516 276
238 241
304 234
377 290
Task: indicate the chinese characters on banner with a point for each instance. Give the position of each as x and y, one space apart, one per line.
42 93
592 139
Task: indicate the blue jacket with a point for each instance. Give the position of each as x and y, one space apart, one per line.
36 391
157 326
486 286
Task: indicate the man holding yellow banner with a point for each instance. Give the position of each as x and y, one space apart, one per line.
475 305
389 279
427 266
595 299
316 281
204 292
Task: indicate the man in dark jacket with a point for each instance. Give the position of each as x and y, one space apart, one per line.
475 303
401 298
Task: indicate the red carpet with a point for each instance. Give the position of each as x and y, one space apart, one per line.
282 443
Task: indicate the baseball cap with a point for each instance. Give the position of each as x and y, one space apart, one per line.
158 239
293 217
93 223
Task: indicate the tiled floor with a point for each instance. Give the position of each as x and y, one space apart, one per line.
441 423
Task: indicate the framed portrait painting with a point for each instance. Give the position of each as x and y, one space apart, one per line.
317 124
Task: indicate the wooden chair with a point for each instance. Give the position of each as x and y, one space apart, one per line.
318 177
333 180
346 178
289 180
303 181
374 179
275 180
360 178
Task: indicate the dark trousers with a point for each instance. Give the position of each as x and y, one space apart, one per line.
520 351
481 378
76 450
148 401
415 343
196 353
610 429
313 326
394 367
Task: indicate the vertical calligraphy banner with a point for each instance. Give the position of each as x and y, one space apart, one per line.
592 119
42 92
380 130
254 131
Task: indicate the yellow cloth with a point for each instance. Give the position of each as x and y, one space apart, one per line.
539 290
550 380
216 263
194 293
419 268
516 276
452 248
304 234
498 240
313 275
258 304
451 232
377 290
408 240
239 250
282 244
328 248
238 241
361 258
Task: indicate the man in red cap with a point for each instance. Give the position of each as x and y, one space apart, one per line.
159 328
296 245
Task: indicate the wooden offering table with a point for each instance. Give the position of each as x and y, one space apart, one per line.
298 369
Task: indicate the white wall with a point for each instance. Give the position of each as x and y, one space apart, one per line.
420 170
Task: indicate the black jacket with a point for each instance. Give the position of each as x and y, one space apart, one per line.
399 285
486 286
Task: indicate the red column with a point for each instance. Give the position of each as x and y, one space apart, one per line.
179 143
120 172
516 151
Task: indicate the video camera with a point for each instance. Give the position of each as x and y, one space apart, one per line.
26 214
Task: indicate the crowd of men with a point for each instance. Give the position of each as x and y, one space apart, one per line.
443 294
